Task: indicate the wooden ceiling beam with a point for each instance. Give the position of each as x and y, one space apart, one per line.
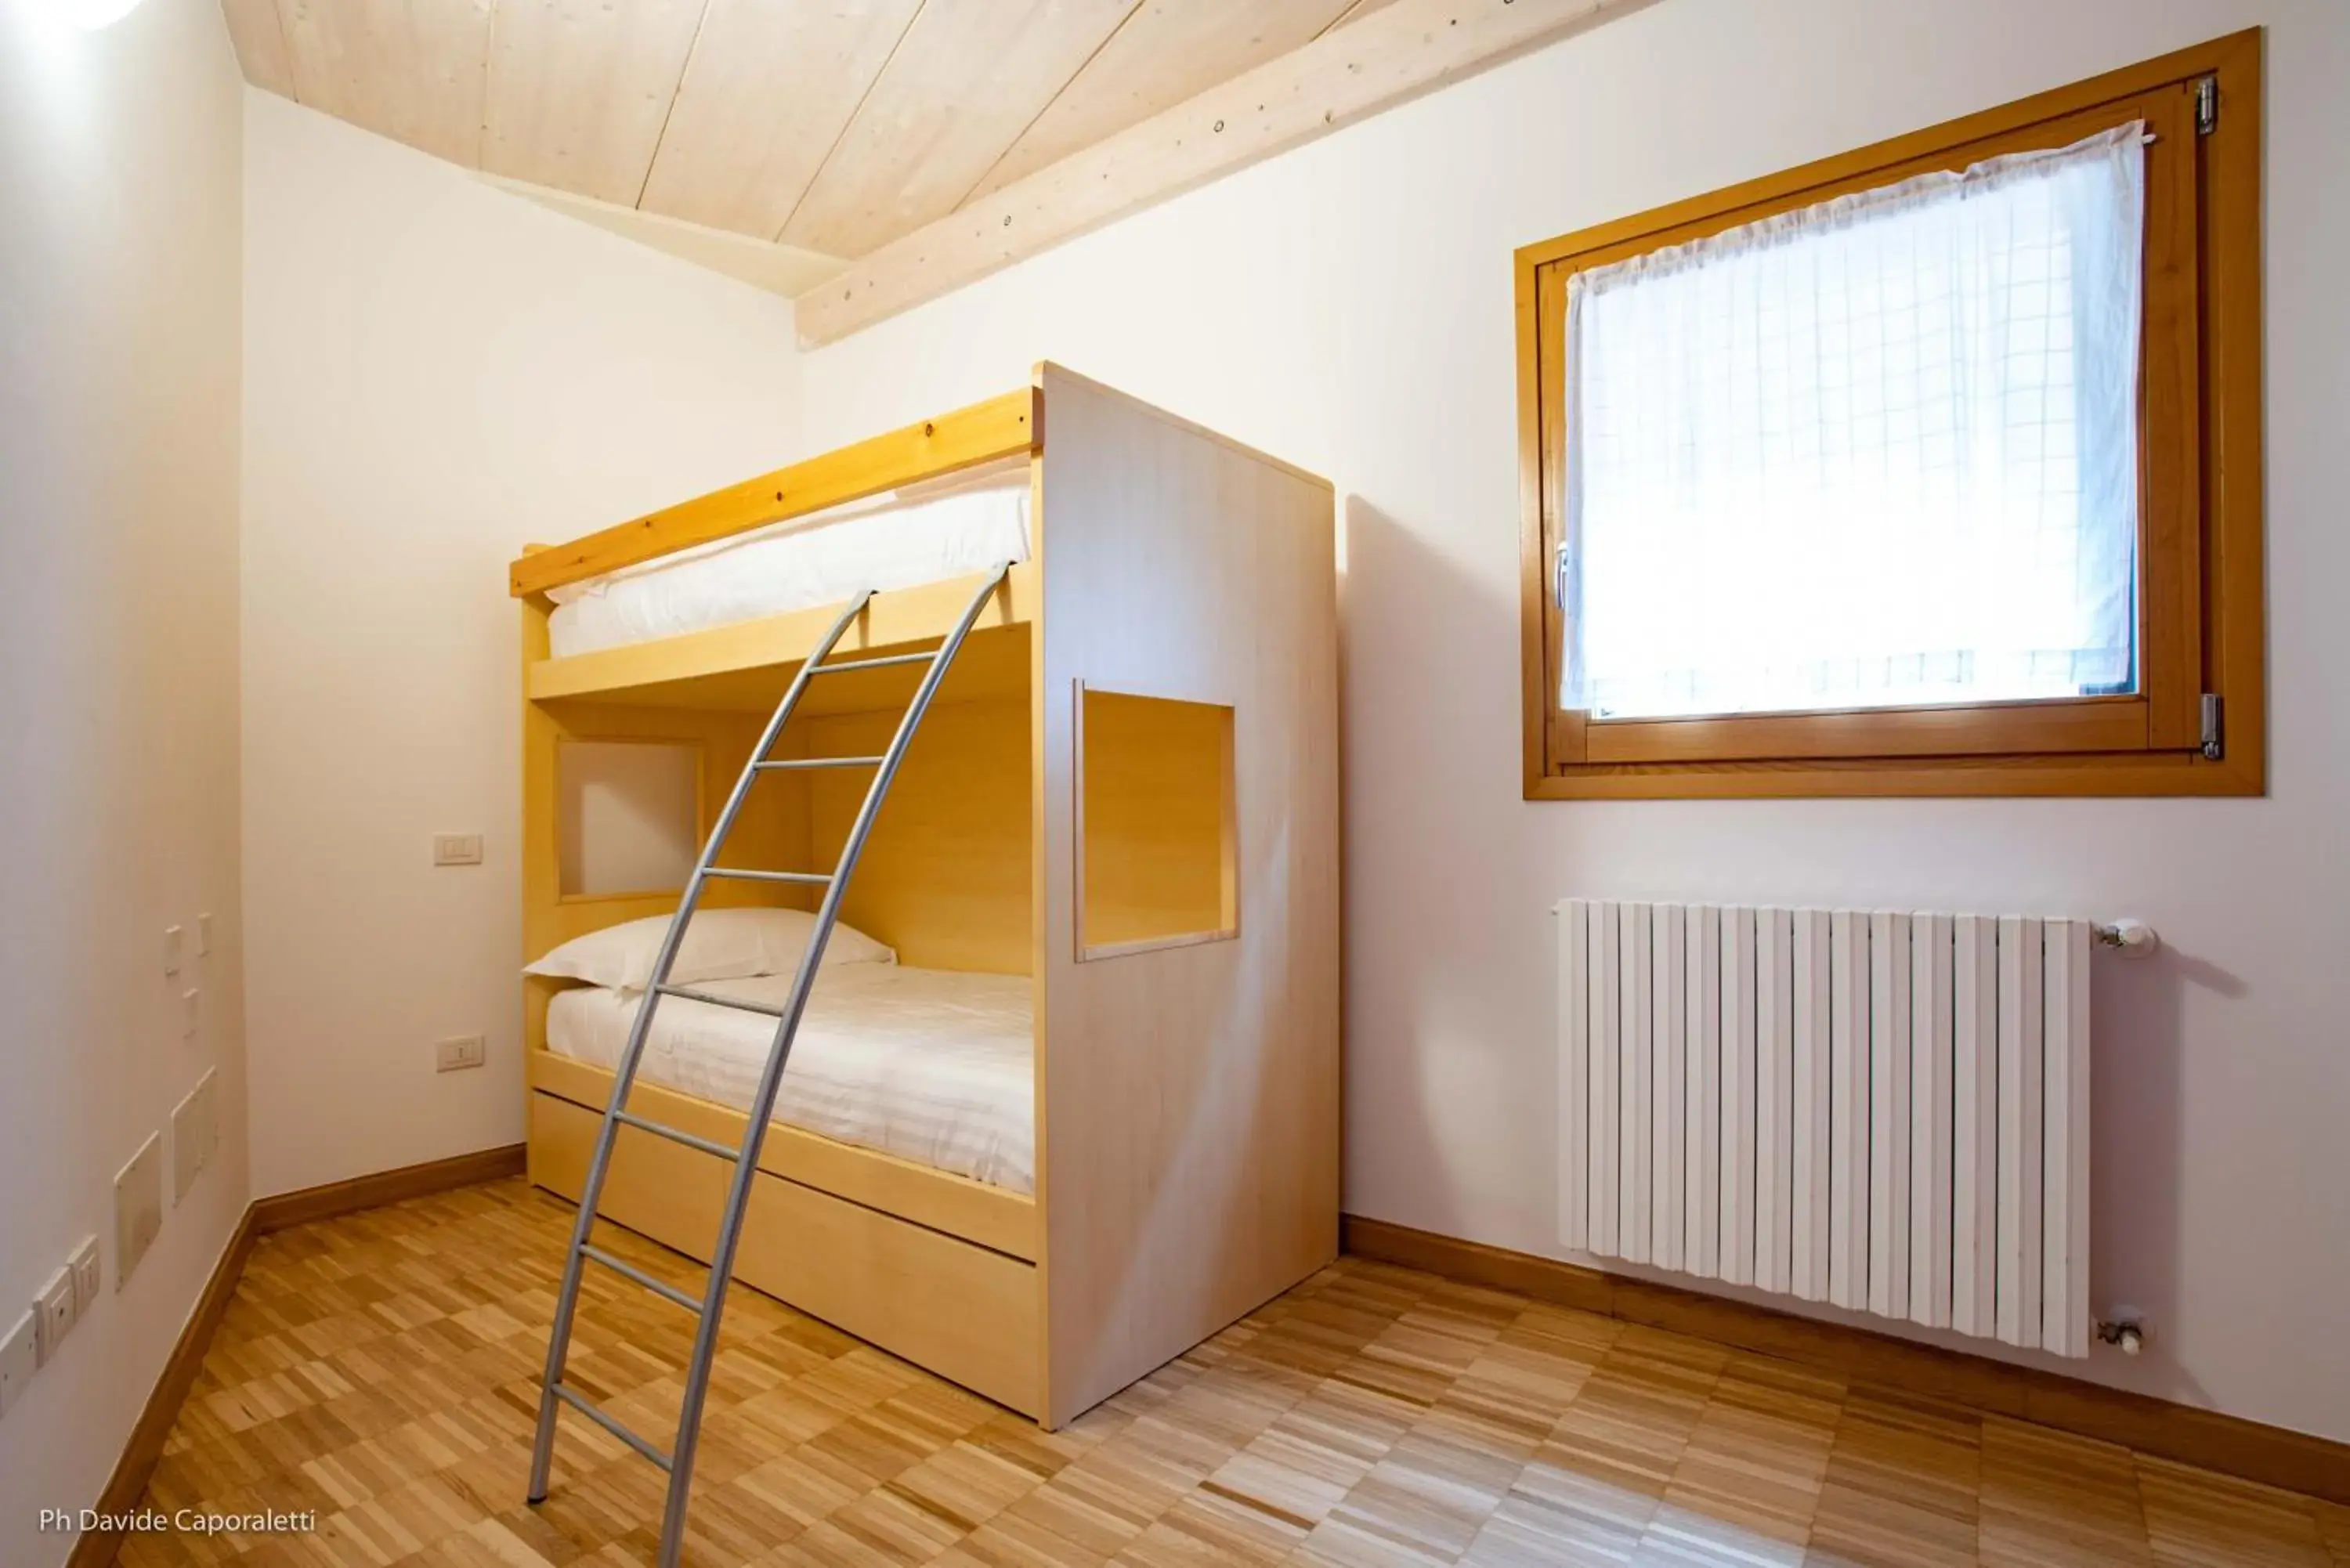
1387 57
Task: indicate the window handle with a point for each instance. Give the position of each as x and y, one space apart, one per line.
1558 575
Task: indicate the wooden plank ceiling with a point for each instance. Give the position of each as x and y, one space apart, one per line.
833 126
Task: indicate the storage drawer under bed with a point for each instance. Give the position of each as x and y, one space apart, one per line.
962 1310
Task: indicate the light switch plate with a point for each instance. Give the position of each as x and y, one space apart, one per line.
19 1359
204 935
53 1315
173 936
458 1051
187 1142
138 1207
190 1013
456 849
86 1275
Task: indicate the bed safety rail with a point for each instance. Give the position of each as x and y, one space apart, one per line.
678 1461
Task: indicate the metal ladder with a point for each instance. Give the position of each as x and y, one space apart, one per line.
678 1462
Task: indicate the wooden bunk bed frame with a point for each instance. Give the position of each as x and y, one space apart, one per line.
1186 1110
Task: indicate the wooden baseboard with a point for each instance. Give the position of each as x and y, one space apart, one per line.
2228 1444
338 1198
97 1549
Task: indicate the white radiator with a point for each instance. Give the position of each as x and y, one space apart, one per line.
1887 1112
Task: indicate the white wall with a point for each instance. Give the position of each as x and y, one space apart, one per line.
1348 307
436 372
119 247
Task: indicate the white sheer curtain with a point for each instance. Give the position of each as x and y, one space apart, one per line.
1881 451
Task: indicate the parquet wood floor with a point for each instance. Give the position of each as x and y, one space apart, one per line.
382 1369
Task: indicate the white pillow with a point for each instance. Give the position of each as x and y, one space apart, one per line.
719 944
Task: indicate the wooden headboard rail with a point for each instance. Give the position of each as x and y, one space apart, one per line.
999 428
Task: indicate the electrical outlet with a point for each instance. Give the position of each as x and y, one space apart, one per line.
190 1013
459 1052
19 1359
53 1316
456 849
138 1207
203 936
171 936
86 1275
187 1142
207 1092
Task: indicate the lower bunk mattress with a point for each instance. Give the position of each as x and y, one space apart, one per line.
927 1064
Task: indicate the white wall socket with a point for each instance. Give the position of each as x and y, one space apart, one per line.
207 1093
456 849
86 1275
459 1051
138 1207
195 1133
53 1315
19 1359
187 1142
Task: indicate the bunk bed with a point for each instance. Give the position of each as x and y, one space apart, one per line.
1066 1101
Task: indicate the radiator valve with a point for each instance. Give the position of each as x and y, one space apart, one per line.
2126 1335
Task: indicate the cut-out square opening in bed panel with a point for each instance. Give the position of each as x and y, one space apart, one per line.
1158 850
628 816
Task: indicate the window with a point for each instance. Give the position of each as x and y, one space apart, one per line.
1929 469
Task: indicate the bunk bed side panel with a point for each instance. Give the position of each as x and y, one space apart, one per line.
1188 1090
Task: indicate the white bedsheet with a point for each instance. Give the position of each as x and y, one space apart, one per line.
948 529
920 1062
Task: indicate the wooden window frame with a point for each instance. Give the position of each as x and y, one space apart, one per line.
2200 550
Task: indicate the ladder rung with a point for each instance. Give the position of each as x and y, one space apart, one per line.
747 875
824 763
662 1288
886 659
677 1135
579 1402
687 994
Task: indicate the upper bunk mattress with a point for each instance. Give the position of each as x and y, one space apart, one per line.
922 1063
924 533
